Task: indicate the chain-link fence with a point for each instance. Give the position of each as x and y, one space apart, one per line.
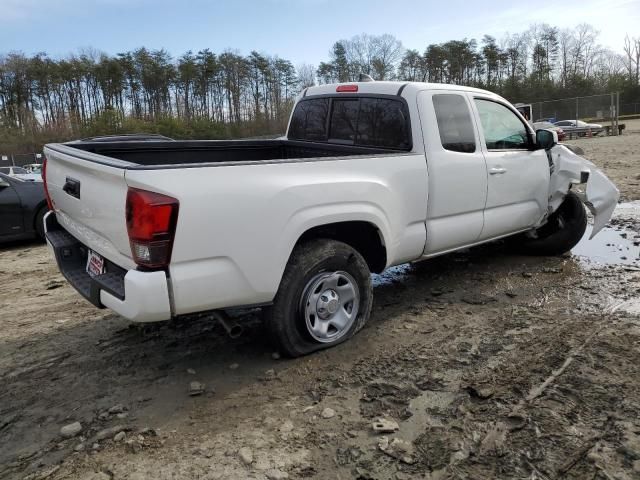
600 108
629 108
20 159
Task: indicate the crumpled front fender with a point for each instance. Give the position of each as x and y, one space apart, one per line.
601 195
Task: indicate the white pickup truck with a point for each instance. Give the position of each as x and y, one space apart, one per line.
370 175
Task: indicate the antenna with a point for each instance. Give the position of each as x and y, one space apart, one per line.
365 78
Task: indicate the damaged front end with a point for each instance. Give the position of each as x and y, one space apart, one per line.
568 169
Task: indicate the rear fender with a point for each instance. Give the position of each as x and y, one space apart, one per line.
600 196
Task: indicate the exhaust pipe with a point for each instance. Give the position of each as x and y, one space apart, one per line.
233 328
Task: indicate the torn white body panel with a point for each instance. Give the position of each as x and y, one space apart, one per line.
601 195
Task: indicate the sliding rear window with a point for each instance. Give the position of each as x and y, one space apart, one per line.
360 121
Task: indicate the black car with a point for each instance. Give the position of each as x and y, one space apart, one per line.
22 208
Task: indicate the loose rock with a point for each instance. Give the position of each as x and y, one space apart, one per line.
246 455
328 413
110 432
286 427
399 449
384 425
71 430
196 388
118 437
117 409
275 474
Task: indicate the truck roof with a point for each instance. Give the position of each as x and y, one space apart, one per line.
391 88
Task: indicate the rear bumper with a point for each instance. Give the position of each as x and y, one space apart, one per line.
137 296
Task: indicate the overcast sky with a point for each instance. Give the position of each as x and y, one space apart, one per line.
298 30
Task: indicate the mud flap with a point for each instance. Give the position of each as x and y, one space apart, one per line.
601 195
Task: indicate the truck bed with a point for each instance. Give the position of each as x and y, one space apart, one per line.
146 154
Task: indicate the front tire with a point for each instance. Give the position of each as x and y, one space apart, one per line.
324 298
563 230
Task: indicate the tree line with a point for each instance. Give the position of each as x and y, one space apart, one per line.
541 63
214 95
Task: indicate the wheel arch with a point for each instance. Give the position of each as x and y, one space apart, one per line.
363 236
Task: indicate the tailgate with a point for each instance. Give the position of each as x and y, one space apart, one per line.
89 198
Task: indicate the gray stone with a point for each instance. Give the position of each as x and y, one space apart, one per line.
71 430
110 432
246 455
399 449
196 388
328 413
80 447
384 425
117 409
286 427
275 474
275 356
118 437
133 446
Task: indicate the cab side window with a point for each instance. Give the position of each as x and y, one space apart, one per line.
454 123
503 130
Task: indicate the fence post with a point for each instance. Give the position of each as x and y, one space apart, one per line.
612 112
617 113
577 111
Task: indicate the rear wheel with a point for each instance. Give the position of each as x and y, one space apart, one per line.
39 222
324 298
563 230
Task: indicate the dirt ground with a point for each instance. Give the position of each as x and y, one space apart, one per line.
481 364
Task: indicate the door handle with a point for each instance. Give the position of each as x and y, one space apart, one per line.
497 170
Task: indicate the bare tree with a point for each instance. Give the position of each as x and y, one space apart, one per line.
632 61
306 75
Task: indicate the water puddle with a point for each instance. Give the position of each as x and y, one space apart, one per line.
391 276
608 247
615 245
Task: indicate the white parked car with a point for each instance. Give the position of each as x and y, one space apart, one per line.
35 168
21 173
370 175
579 127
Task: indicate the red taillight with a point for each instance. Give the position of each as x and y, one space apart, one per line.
347 88
151 225
46 188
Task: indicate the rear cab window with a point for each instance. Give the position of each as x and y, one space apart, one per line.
356 120
454 123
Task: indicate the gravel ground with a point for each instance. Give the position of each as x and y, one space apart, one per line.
480 364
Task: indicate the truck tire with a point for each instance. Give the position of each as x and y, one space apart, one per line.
562 232
39 223
324 298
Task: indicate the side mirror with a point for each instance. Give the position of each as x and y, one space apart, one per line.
4 183
546 139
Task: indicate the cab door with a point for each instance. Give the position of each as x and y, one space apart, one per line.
457 169
518 176
11 222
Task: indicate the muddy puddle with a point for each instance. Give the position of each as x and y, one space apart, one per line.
617 244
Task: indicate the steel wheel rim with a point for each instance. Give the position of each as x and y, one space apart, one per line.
329 305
